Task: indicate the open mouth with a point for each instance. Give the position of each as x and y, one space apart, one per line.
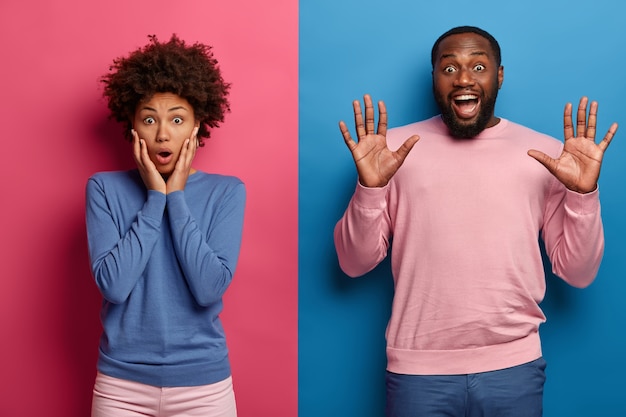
164 157
466 106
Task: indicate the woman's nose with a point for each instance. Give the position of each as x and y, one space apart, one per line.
162 134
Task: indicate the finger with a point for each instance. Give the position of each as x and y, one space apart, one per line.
191 146
136 146
568 127
369 114
382 119
405 148
194 136
179 167
346 136
358 119
193 142
606 141
141 155
184 149
591 124
581 118
145 158
544 159
185 154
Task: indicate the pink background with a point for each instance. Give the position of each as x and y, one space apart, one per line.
55 134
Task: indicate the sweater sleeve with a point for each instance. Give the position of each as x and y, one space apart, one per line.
362 235
208 257
119 259
574 235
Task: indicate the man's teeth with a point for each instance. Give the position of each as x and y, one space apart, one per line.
466 97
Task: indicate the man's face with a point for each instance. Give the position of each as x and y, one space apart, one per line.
164 121
466 79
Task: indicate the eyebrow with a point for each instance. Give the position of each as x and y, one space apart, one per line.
168 110
475 53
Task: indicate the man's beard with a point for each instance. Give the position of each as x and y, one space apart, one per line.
467 130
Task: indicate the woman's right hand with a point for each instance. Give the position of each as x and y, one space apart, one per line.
375 162
151 177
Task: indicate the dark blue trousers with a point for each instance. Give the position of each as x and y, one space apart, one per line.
511 392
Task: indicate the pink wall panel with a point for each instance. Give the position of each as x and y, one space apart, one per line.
55 134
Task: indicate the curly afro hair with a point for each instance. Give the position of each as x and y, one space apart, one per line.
189 71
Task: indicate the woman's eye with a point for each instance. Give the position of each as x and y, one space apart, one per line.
149 121
178 120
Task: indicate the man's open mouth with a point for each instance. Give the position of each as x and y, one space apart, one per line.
466 106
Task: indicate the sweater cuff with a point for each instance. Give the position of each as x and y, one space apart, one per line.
370 197
155 204
177 205
588 203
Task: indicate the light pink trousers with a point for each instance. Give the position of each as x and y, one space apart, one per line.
114 397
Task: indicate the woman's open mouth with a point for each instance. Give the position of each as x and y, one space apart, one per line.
164 157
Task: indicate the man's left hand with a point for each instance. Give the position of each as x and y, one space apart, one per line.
578 167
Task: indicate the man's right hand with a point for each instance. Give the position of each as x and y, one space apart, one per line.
375 162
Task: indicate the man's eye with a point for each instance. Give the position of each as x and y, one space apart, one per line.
449 69
178 120
479 67
149 120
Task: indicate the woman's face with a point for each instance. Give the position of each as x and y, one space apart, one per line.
164 122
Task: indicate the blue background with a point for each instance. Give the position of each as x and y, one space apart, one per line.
553 52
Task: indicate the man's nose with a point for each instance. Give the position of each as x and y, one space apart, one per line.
464 77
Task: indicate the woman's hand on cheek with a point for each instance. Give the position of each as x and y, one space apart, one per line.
151 177
178 179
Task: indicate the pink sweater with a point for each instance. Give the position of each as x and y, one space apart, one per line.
465 217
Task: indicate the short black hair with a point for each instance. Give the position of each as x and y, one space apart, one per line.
187 70
468 29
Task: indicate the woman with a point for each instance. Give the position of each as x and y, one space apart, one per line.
164 240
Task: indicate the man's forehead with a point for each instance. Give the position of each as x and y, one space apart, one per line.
466 43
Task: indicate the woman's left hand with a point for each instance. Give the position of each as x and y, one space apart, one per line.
182 169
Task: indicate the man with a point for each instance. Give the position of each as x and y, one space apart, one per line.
465 210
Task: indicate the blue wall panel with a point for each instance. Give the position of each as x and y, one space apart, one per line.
553 52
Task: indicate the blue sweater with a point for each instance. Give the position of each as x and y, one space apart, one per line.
162 263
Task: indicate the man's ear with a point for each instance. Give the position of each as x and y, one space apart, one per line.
500 76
